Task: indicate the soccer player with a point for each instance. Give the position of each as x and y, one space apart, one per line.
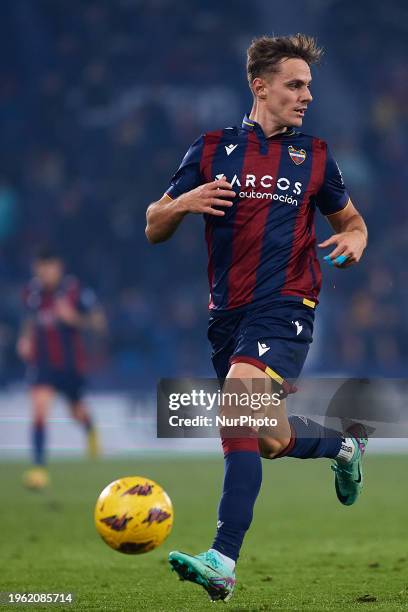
58 311
258 186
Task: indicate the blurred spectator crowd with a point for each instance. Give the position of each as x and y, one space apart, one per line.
99 100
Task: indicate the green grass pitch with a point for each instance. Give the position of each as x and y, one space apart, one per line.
304 551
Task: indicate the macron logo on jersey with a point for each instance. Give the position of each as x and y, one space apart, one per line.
230 148
262 348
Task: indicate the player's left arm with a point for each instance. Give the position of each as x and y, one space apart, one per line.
350 238
333 201
24 344
94 320
97 322
88 314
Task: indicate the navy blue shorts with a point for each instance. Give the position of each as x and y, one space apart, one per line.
67 382
274 338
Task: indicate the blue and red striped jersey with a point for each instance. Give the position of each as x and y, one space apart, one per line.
264 247
56 345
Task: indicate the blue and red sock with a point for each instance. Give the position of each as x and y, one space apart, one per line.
38 442
310 440
87 423
243 477
242 482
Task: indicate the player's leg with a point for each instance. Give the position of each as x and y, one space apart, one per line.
80 413
310 440
243 469
42 396
285 331
73 390
213 569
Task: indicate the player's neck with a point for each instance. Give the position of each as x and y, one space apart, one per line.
266 121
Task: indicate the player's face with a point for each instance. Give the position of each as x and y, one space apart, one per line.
287 92
49 272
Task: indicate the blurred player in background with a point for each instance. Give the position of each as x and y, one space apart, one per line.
258 186
58 312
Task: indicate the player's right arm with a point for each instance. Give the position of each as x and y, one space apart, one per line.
164 216
189 192
24 345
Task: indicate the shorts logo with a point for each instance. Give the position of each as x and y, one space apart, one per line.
262 348
298 156
299 327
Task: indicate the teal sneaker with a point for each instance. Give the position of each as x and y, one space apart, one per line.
348 479
207 570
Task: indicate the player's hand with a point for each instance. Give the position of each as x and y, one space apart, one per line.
65 312
349 249
24 348
203 199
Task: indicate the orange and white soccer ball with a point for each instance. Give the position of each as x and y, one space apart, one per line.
133 515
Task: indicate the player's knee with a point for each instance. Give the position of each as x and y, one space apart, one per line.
42 397
40 411
271 447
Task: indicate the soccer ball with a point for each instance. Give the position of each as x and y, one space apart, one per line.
133 515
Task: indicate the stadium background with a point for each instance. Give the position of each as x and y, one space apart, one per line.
99 101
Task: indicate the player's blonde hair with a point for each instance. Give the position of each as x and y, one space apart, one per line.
265 53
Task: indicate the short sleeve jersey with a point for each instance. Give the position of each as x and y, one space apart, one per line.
264 248
57 346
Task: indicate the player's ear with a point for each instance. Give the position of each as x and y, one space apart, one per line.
259 88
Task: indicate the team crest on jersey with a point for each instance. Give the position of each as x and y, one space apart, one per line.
298 156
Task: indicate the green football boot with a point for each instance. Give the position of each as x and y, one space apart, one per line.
206 569
349 475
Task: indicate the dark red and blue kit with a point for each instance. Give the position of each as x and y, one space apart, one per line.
263 270
58 357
